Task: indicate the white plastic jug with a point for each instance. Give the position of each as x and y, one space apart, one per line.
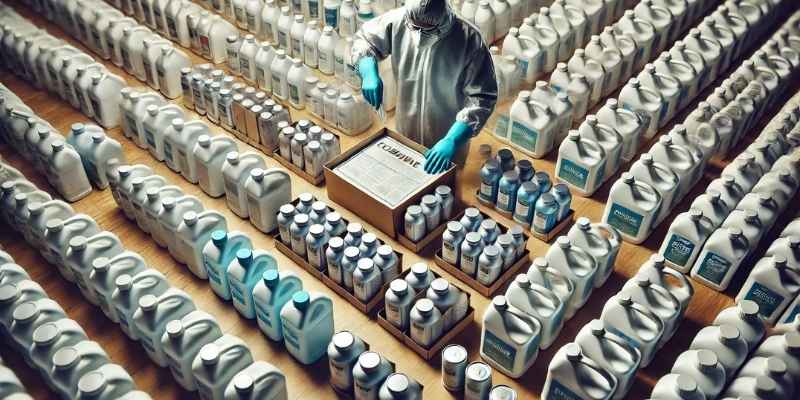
510 338
129 289
568 373
259 380
307 323
611 352
193 234
273 291
182 340
150 319
217 363
635 323
632 208
70 363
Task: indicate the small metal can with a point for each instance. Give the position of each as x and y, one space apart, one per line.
454 366
502 392
478 381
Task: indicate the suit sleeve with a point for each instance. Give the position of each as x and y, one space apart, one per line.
480 90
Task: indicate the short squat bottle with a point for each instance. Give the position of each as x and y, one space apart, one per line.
343 352
472 219
400 386
452 239
414 223
398 302
490 265
426 323
369 373
420 277
471 249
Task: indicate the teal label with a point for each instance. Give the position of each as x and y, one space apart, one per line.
678 250
561 392
501 127
631 341
625 219
573 173
768 301
331 16
523 136
290 336
714 267
212 271
263 315
792 314
236 292
499 351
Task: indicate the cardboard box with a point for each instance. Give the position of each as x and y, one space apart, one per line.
444 340
488 291
369 308
385 218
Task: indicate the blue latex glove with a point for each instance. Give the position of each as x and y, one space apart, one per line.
371 83
438 158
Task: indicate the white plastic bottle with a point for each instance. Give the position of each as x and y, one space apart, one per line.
217 363
639 326
510 338
632 208
720 258
611 352
182 340
568 372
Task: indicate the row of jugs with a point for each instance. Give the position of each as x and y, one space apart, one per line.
10 386
108 33
147 308
50 63
729 359
213 162
48 151
38 329
774 282
536 305
767 182
607 352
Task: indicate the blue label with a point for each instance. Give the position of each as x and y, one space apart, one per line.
236 292
714 267
543 221
792 314
625 219
499 351
524 136
679 250
501 127
767 300
263 315
573 173
631 341
561 392
331 16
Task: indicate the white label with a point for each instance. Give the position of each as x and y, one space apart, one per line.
502 200
449 253
393 315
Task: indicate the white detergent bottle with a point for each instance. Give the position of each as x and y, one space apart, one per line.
780 184
772 284
712 206
218 253
49 338
648 104
581 163
14 294
571 375
577 265
566 36
182 138
307 323
82 252
772 367
170 218
540 303
624 43
764 204
151 316
235 171
58 234
632 208
785 346
541 273
611 60
129 289
788 247
109 381
745 170
730 191
270 294
667 86
601 241
26 318
610 352
643 32
369 373
266 191
105 154
153 124
677 283
153 206
686 236
259 380
661 178
65 172
704 368
658 300
510 338
70 363
721 256
753 228
635 323
675 386
209 155
594 72
243 274
193 234
726 343
608 138
104 275
137 195
182 340
746 318
217 363
40 214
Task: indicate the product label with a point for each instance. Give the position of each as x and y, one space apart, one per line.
393 315
131 122
244 66
522 209
791 315
543 222
331 16
679 250
631 341
468 264
315 257
171 27
297 46
504 201
524 136
276 86
213 274
573 173
263 314
251 22
294 94
561 392
148 70
625 219
205 46
231 188
768 301
254 209
499 351
236 291
486 191
282 39
449 253
714 267
340 375
290 336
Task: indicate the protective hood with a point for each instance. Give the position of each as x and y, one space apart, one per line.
428 15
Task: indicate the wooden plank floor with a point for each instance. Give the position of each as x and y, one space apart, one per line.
310 382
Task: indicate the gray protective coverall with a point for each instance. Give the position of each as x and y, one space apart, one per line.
444 71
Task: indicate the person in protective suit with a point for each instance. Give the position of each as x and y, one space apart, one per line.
446 84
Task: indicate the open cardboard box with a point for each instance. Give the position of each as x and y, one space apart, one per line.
444 340
545 237
385 218
507 275
369 308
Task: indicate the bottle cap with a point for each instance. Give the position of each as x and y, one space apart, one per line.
397 383
500 302
148 302
369 360
301 300
209 354
46 334
101 264
573 351
399 286
245 257
174 328
343 340
424 306
219 237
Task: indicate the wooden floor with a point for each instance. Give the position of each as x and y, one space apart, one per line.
311 382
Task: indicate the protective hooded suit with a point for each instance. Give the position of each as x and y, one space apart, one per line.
444 71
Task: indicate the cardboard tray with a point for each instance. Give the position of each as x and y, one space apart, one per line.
444 340
545 237
507 275
384 218
431 237
314 180
368 308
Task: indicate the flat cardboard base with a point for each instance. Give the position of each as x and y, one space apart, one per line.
486 291
314 180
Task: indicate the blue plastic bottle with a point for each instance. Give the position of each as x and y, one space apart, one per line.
546 214
563 198
218 254
270 295
307 326
527 195
543 179
507 191
490 180
243 275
